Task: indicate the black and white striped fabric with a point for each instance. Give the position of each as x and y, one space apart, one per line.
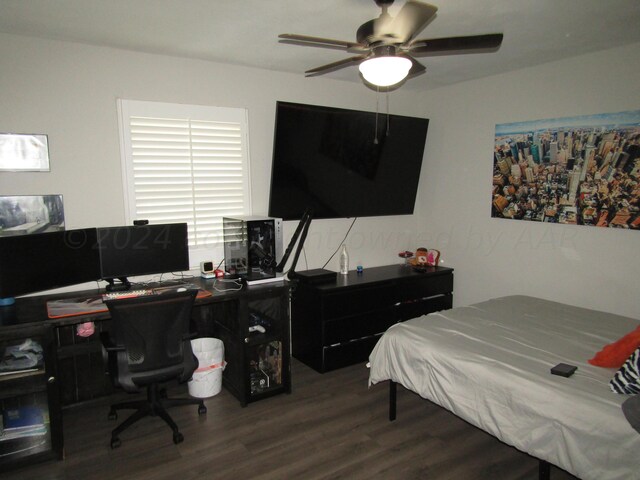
627 379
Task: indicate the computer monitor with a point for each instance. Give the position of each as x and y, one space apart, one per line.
43 261
141 250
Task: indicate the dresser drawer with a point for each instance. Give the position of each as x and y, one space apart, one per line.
427 286
349 302
417 308
362 325
348 353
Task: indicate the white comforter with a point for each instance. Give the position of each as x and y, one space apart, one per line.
489 364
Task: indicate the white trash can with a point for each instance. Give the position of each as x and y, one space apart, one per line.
207 379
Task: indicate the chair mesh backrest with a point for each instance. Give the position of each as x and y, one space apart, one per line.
152 329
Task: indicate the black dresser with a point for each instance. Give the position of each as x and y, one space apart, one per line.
338 323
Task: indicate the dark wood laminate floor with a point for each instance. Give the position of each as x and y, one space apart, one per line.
331 427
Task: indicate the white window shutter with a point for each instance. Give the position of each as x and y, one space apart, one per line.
186 163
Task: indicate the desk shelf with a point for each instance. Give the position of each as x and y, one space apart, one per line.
34 390
258 363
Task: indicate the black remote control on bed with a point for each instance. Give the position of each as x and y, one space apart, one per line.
564 369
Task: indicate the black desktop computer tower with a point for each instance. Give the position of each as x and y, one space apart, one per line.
253 246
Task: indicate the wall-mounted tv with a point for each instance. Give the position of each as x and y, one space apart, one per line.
344 163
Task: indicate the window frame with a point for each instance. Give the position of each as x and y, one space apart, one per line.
208 250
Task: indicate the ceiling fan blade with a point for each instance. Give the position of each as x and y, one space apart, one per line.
411 19
308 41
471 44
330 67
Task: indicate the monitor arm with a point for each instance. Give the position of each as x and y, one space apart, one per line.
302 228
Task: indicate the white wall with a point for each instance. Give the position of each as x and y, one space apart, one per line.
69 92
593 267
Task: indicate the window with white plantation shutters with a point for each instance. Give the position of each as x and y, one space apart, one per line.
185 163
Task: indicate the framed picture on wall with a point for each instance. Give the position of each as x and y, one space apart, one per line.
20 152
582 170
26 214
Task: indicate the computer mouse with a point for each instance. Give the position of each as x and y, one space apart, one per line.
181 289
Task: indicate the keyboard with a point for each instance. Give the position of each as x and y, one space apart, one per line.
128 294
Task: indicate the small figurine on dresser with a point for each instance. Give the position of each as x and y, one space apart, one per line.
408 257
433 257
425 257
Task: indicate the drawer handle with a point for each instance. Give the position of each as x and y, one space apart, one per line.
51 380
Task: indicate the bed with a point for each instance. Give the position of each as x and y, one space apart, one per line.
489 364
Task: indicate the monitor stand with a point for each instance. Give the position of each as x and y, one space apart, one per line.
122 286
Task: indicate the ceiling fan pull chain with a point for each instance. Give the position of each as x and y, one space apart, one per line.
375 138
387 112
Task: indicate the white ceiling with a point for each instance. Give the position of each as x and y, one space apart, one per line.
245 32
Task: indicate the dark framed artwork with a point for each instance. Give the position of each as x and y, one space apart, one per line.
582 170
25 214
24 152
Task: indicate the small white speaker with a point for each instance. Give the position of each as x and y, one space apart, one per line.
207 270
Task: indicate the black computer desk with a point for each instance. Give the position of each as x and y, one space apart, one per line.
74 368
222 313
33 309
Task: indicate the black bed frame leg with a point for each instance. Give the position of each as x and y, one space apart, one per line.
544 470
392 400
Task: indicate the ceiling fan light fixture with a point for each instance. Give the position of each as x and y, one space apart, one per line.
385 71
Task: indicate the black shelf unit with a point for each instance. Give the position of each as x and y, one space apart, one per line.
258 363
31 388
337 323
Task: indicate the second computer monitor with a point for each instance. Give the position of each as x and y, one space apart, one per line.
142 250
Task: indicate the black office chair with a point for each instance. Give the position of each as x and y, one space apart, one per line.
149 343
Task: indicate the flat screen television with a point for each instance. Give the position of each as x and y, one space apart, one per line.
129 251
43 261
344 163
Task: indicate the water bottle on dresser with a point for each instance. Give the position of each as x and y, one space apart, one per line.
344 260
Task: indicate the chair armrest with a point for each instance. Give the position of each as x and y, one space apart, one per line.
109 350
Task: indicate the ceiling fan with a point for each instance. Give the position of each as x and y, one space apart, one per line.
386 48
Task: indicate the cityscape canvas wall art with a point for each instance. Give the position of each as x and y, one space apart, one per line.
582 170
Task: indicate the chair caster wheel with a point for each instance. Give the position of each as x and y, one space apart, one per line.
113 415
202 410
115 443
178 438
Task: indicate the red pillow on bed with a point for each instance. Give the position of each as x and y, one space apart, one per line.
616 353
